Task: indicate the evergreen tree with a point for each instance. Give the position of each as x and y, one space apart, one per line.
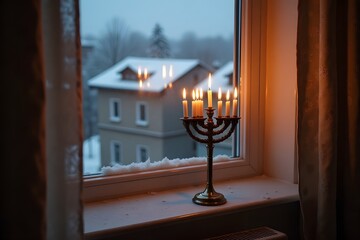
159 46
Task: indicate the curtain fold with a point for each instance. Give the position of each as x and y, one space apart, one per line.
41 120
329 117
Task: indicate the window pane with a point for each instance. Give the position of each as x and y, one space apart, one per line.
145 56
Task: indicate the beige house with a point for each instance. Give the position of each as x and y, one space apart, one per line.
139 109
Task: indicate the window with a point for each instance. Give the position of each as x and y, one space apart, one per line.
142 114
142 153
114 106
115 152
251 101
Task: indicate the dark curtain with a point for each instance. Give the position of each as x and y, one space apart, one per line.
329 118
28 209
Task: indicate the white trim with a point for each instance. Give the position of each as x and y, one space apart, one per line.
112 151
138 152
112 116
138 121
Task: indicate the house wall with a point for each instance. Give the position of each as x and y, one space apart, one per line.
164 135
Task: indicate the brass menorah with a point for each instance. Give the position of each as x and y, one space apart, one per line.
205 130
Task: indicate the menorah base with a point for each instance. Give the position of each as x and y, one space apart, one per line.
207 198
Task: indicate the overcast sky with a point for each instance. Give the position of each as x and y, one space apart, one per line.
203 17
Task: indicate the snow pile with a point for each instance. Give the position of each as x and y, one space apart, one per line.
91 155
159 165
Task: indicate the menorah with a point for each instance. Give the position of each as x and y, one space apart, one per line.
197 128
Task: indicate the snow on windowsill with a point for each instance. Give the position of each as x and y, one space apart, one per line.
159 165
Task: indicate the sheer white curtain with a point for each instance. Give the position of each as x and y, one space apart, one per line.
63 119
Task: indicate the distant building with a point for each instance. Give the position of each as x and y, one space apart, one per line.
222 78
139 109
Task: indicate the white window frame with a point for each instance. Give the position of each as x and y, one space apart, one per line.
138 152
250 162
112 151
112 116
141 122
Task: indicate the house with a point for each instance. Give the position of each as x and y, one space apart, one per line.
139 108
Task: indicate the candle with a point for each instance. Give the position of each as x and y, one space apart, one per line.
145 73
201 108
193 109
235 110
171 72
139 73
185 104
219 103
197 103
164 72
209 93
227 109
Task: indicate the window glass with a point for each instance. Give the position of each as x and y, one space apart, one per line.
145 52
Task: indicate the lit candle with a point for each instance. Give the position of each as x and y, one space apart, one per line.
145 73
201 108
227 109
220 103
197 103
193 108
163 71
209 93
171 72
139 73
234 110
185 104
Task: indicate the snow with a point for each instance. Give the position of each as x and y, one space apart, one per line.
91 155
219 79
110 78
92 163
159 165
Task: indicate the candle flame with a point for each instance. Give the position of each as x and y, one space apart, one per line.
164 71
145 73
184 93
235 93
228 95
209 84
219 94
201 94
197 94
139 72
140 83
171 71
193 94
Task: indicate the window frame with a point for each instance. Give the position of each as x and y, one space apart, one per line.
112 151
251 127
112 116
139 121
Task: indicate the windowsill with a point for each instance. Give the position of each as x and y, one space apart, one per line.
142 123
155 208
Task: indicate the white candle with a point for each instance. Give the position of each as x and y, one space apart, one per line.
185 105
171 72
235 110
197 103
193 106
220 103
227 109
201 107
164 72
209 93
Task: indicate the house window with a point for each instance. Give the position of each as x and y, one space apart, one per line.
115 152
114 109
142 114
142 153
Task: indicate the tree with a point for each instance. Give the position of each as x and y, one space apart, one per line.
159 46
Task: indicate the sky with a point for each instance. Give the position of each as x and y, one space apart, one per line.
203 17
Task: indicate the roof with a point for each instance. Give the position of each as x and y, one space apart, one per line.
110 78
219 79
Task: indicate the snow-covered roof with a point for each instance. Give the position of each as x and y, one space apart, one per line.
220 79
111 78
